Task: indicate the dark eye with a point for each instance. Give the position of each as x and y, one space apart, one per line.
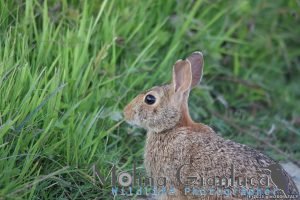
150 99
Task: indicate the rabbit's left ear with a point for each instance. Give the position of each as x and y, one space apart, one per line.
182 76
196 60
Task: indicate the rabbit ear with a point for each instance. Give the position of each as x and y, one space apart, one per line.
182 76
196 60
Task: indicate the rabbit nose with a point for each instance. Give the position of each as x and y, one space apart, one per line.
128 113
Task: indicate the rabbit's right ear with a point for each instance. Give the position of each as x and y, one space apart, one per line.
182 76
196 60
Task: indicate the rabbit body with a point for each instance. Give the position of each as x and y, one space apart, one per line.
204 154
188 156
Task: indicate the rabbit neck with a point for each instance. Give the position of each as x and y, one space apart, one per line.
187 121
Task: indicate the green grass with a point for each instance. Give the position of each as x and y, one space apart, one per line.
67 69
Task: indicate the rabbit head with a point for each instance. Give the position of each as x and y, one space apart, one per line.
164 107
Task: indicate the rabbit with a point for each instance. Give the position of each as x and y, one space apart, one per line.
185 153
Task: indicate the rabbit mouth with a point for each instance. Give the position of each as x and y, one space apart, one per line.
133 123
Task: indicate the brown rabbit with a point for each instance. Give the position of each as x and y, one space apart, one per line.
193 161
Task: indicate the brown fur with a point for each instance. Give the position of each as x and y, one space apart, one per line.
174 139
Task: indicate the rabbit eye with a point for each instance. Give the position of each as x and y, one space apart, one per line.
150 99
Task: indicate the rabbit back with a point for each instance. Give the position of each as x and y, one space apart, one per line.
205 154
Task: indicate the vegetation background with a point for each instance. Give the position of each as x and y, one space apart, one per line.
67 69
